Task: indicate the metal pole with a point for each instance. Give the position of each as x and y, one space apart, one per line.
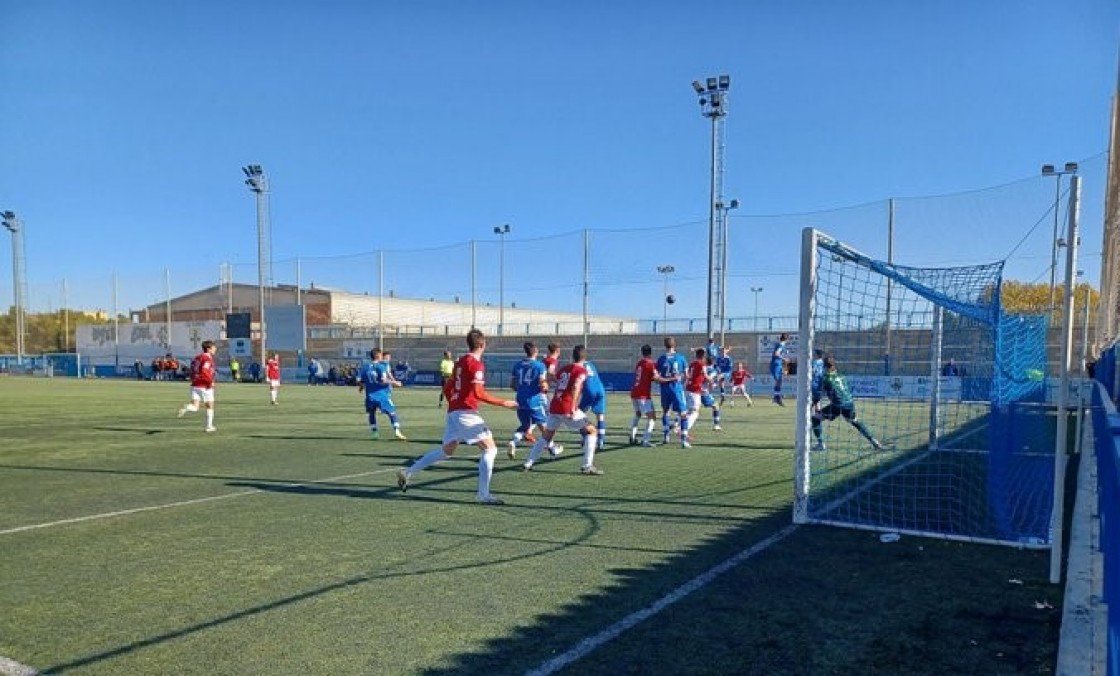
19 289
65 319
298 283
474 290
890 260
380 299
586 279
116 329
712 228
1054 239
724 227
501 282
167 301
1056 513
262 253
1085 334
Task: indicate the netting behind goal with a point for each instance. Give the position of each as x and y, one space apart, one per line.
949 386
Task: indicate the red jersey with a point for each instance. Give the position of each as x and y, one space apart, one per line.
568 380
550 364
461 386
739 376
272 369
643 379
202 371
696 377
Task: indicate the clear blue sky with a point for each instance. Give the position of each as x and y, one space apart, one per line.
405 125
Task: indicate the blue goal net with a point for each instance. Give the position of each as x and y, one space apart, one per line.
932 417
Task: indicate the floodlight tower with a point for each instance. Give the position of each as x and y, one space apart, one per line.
713 96
665 270
258 183
19 278
501 231
724 225
1049 170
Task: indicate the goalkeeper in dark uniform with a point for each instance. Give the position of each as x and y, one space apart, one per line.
840 404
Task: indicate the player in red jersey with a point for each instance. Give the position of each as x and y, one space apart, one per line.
739 378
641 395
695 383
202 384
465 390
272 375
551 363
564 413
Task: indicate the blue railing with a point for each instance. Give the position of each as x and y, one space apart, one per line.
1106 432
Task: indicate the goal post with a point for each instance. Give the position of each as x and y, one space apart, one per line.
949 434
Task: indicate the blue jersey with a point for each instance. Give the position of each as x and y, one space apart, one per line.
723 364
528 374
594 395
376 378
671 365
777 359
817 378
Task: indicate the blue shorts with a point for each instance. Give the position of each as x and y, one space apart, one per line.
776 370
381 402
534 415
596 402
672 400
707 400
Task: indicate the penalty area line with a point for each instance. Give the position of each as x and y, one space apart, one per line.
612 632
180 503
9 667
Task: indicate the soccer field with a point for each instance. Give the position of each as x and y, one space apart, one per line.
131 542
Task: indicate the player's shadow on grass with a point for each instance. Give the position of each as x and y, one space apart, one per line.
138 430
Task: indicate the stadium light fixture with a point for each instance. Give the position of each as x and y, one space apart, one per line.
756 290
1049 170
665 270
19 284
501 231
258 184
713 105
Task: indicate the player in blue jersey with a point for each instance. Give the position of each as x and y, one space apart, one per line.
723 372
671 368
375 378
594 398
529 380
777 367
816 375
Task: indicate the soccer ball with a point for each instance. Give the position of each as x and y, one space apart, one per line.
670 299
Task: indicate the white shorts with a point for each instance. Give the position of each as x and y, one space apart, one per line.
576 421
742 389
466 427
204 394
274 383
692 400
642 407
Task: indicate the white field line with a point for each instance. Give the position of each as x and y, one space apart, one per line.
585 646
12 668
180 503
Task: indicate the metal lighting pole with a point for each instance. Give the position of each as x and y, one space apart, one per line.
1049 170
713 105
725 222
258 183
665 270
501 231
756 290
19 284
1073 240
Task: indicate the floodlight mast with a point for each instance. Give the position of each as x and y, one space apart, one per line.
19 280
258 183
713 96
724 225
1070 169
501 231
